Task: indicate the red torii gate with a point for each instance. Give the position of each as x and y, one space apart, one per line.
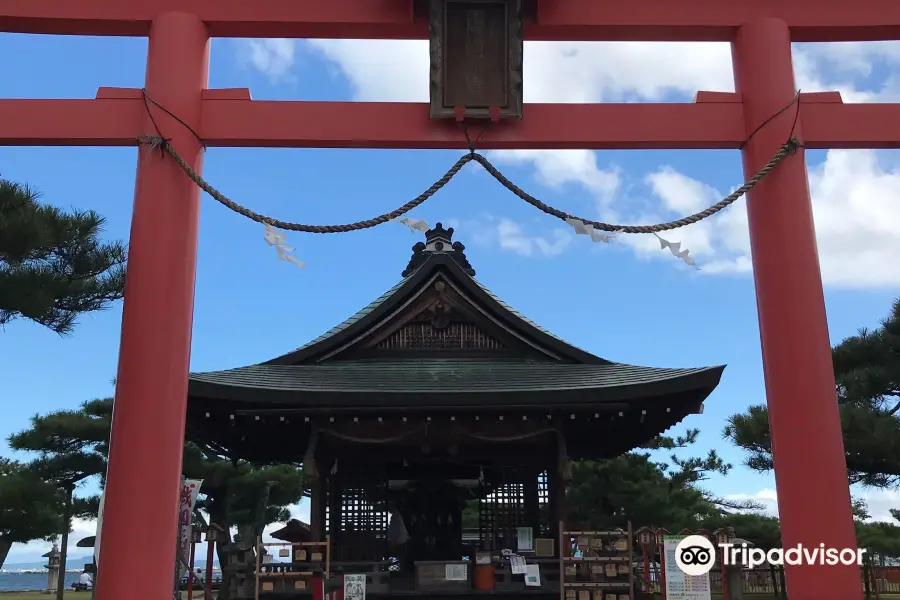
148 426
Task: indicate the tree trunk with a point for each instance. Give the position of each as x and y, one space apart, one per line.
223 538
867 589
874 575
64 542
5 545
247 533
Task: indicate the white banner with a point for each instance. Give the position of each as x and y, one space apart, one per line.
112 415
99 527
187 499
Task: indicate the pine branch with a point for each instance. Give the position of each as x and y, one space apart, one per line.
53 265
663 442
734 505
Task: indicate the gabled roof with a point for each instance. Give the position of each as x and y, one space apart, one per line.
444 267
339 373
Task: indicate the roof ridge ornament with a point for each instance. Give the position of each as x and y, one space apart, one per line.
438 241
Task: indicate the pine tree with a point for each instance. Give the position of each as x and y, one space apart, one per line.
29 506
53 265
867 371
73 445
635 487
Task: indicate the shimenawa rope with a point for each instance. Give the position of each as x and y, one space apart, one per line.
160 142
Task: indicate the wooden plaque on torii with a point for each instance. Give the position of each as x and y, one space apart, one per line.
476 59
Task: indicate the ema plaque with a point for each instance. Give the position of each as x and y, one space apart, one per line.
476 58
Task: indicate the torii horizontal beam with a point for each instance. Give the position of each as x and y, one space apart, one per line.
560 20
231 119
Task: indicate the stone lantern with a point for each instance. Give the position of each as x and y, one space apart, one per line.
52 567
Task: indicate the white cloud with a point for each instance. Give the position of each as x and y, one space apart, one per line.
32 551
560 167
879 502
679 193
854 207
512 236
856 215
274 57
397 70
381 70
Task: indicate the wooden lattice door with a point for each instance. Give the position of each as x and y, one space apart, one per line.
521 500
360 517
500 513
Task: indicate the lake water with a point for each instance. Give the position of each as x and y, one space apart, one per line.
30 581
18 582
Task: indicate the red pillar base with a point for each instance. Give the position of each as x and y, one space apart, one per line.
808 449
148 419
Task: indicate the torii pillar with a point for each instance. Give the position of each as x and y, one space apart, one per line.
154 355
807 444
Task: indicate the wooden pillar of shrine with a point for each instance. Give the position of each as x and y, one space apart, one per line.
531 500
557 482
800 386
334 501
558 507
317 508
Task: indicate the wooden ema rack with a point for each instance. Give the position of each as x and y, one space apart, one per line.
296 574
605 569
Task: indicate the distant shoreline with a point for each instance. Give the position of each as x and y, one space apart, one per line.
34 571
45 571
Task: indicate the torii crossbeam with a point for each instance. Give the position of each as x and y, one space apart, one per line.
148 425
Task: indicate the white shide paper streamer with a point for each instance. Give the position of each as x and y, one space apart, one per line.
414 224
582 228
277 238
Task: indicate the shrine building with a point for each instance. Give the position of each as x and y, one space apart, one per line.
442 403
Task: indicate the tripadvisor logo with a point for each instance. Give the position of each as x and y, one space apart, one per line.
695 556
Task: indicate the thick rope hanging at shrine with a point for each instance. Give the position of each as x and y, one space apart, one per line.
581 225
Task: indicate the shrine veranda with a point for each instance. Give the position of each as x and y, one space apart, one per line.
152 388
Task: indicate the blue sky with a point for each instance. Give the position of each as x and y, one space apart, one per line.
626 301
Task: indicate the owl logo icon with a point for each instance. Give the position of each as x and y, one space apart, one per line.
695 555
